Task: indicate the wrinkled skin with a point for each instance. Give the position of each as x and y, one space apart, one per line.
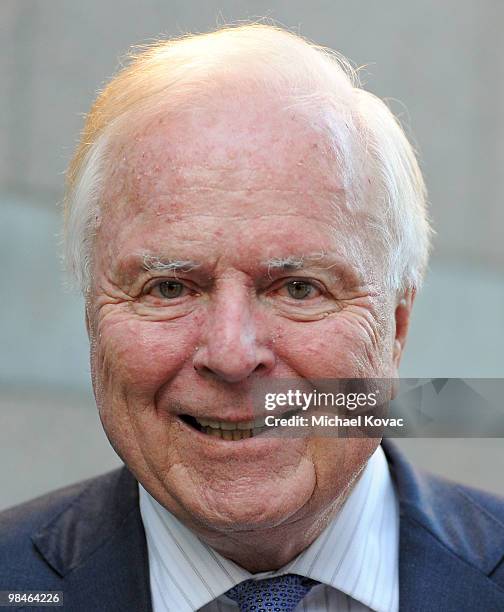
228 189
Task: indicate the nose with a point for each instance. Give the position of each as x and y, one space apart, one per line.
234 344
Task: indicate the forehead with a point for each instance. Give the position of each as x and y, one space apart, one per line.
237 145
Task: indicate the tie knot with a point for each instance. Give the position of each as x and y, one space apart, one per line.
280 594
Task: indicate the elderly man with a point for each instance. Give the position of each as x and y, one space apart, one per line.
239 211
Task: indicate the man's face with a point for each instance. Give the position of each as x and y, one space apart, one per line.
231 192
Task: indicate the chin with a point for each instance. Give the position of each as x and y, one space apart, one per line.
251 507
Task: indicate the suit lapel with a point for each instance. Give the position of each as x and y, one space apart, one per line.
448 545
431 577
97 545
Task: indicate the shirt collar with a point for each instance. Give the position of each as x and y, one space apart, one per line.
357 553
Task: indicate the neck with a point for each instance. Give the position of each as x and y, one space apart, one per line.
272 548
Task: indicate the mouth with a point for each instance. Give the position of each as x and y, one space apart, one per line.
225 430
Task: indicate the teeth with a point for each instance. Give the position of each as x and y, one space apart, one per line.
225 430
235 434
259 422
246 425
228 426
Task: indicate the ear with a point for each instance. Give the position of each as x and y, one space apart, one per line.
403 309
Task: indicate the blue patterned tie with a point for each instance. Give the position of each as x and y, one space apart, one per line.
280 594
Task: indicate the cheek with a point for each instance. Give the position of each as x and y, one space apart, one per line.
341 347
141 355
338 461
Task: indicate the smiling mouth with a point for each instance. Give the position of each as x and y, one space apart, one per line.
225 430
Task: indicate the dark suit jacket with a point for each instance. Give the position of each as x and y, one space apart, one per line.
88 541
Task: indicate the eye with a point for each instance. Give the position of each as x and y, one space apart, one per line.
300 290
170 289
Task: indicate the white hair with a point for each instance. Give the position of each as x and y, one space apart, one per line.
376 162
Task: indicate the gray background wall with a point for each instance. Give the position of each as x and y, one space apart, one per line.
440 64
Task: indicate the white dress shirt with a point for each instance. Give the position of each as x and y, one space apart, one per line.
355 558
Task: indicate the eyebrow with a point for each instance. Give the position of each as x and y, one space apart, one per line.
298 262
152 263
321 260
292 262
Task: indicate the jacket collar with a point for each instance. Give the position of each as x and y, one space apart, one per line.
98 541
448 543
